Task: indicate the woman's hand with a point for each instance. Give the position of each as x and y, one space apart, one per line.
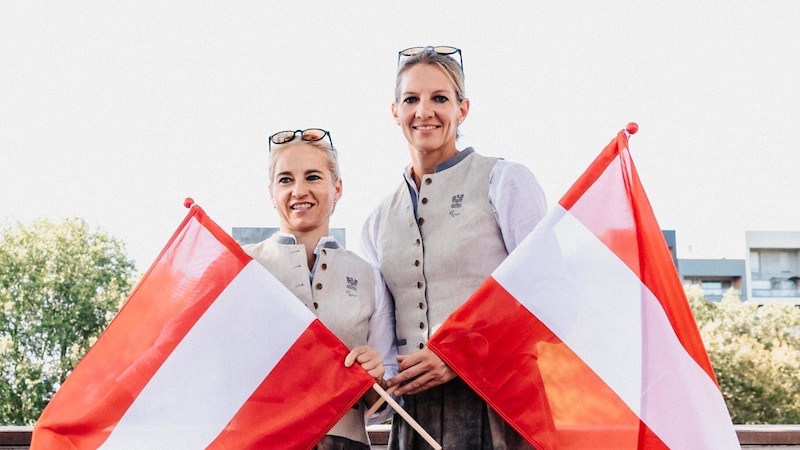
419 371
369 360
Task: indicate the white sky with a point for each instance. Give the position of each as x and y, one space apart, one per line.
115 111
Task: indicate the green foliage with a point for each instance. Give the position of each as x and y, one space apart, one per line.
60 285
755 352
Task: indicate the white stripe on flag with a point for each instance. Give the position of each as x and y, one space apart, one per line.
235 344
582 292
594 303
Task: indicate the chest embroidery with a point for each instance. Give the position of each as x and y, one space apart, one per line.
455 202
352 285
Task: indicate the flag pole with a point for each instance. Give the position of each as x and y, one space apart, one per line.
399 409
380 401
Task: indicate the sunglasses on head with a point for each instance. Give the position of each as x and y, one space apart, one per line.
309 134
440 49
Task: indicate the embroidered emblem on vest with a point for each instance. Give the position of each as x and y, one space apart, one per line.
352 284
456 201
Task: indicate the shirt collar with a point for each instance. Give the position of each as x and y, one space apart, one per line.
444 165
290 239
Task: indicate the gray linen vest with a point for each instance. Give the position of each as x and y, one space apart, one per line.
432 263
341 294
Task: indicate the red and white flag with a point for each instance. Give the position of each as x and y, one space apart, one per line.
209 351
583 337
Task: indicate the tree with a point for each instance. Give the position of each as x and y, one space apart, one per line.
755 352
60 285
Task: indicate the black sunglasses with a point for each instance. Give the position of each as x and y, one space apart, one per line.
440 49
309 134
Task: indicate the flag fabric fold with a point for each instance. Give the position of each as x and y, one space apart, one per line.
583 337
209 351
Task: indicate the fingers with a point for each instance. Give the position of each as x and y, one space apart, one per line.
426 381
423 360
351 357
407 372
419 371
369 360
360 354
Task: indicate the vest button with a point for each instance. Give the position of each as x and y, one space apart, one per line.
422 325
421 220
418 242
316 305
428 180
318 286
421 345
419 284
421 305
425 200
324 266
416 263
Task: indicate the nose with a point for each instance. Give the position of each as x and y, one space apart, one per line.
300 189
423 110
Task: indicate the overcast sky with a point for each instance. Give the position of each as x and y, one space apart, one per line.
115 111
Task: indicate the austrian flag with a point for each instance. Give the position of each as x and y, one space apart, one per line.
583 338
209 351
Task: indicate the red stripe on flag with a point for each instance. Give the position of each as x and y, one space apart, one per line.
609 199
200 279
285 411
510 373
168 300
651 373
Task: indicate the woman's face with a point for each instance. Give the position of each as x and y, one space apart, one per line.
428 110
302 189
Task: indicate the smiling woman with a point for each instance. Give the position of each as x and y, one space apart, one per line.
341 289
467 212
304 188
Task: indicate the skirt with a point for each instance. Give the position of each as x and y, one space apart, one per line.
457 418
339 443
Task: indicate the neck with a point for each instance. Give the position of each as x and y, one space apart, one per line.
310 240
424 163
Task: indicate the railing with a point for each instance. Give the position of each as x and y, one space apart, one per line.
776 293
717 293
750 436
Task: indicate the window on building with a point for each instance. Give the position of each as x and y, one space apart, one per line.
755 261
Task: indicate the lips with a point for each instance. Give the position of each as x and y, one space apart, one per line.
301 206
425 127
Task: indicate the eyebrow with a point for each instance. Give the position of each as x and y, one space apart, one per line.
436 92
307 172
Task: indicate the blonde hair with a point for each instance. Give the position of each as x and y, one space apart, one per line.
331 160
448 65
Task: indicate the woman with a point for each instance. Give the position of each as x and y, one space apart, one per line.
343 290
455 217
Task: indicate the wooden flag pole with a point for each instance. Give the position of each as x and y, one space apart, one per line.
375 406
399 409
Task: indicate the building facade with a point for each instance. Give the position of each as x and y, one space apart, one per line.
773 266
770 274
